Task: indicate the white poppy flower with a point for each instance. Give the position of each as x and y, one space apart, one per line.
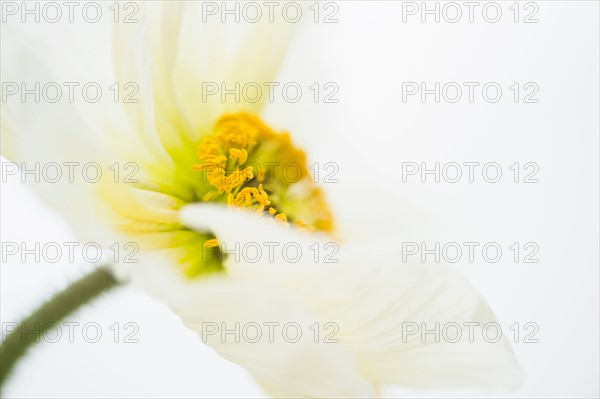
191 152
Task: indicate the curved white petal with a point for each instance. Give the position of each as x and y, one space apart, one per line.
283 362
58 138
190 50
282 365
374 298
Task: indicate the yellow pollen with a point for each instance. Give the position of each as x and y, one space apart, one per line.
240 138
240 155
211 243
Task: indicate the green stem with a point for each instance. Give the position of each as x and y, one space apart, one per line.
53 311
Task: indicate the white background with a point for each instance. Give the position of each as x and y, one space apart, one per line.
369 53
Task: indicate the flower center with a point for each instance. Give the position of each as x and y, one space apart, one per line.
248 165
243 163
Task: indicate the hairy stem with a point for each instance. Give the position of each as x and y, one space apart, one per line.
28 332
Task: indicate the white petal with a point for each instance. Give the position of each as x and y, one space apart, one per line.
45 136
283 366
187 53
139 137
226 53
371 294
290 369
383 297
236 228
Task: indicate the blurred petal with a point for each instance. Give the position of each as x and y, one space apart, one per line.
282 367
188 52
382 297
139 138
372 296
58 136
289 369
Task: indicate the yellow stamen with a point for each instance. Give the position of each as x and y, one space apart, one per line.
211 243
240 138
240 155
209 196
